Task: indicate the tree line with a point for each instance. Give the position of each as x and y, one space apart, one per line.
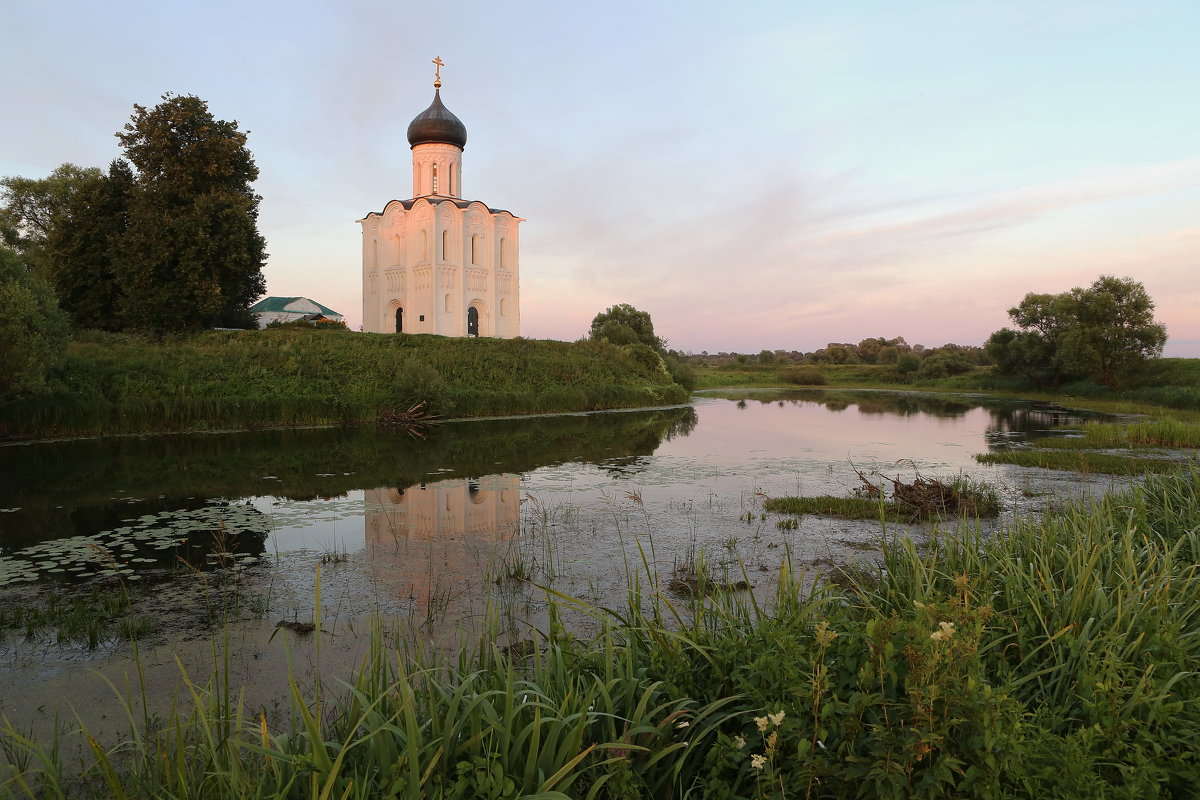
1102 333
166 240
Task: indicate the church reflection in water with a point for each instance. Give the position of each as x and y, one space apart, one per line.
434 541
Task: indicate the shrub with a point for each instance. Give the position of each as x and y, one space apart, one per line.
33 330
802 376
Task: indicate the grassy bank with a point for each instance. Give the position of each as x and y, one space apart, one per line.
241 379
1055 659
1172 383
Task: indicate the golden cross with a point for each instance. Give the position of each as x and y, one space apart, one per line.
437 74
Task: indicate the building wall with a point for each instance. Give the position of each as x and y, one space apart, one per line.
437 260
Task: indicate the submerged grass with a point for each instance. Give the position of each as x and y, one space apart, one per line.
1054 659
63 617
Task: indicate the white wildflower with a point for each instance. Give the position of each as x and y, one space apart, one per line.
945 631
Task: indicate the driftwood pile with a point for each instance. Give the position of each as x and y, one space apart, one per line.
415 420
922 498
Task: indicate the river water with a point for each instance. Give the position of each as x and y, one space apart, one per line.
470 525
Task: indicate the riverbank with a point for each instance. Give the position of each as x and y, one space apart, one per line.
288 377
1163 383
1054 659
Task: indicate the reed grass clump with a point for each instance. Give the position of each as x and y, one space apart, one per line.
1158 433
1054 658
1086 461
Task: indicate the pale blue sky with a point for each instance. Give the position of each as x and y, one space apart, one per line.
756 175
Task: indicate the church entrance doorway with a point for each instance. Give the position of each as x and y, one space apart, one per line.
472 321
399 320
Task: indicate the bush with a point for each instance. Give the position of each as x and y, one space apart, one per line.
802 376
33 330
943 365
681 373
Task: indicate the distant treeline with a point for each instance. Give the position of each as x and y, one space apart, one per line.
907 359
879 362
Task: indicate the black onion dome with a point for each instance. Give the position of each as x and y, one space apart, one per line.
437 125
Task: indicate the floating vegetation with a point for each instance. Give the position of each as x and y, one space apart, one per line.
151 541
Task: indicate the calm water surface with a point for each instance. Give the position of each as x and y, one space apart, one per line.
441 536
691 479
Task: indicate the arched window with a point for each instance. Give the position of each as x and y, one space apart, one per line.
435 179
474 248
445 245
399 320
503 307
500 255
424 245
453 182
447 303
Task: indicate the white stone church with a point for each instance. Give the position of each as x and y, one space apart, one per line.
437 263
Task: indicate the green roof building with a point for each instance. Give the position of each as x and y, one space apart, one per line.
290 309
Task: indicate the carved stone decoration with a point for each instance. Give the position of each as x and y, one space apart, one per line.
395 281
422 278
477 280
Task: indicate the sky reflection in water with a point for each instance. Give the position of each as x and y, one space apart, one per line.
137 506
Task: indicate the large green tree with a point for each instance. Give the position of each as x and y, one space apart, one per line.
192 255
1102 332
1114 331
84 248
31 209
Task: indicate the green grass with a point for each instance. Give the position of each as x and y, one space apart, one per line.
1055 658
1171 433
285 377
1080 461
1172 383
829 506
